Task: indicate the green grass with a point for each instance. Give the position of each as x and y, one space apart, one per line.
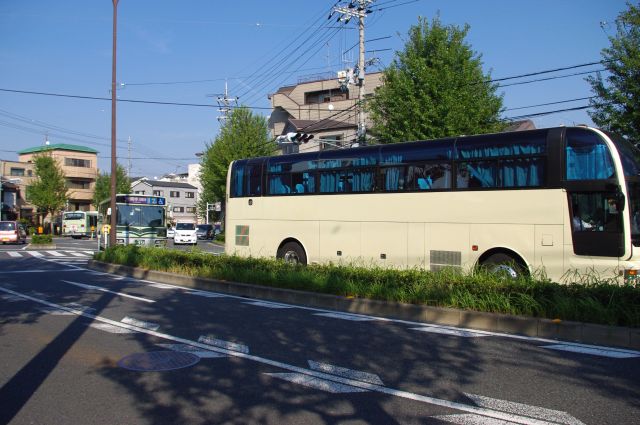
592 300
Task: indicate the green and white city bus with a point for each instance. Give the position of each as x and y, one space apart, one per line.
79 224
558 200
141 220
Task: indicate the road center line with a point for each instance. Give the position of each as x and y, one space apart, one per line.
365 385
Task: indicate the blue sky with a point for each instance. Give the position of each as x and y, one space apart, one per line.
182 52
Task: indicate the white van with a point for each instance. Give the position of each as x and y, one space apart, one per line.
185 233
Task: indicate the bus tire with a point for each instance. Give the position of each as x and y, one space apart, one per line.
293 253
504 264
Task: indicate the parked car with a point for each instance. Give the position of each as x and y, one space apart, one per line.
171 232
185 233
12 232
205 231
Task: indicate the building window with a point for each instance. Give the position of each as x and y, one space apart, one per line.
17 171
190 195
139 192
75 162
29 173
178 209
174 194
191 210
331 142
79 184
158 193
325 96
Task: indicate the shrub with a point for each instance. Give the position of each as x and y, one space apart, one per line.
41 239
595 302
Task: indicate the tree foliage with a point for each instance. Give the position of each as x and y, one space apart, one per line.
102 190
48 192
616 106
243 135
435 88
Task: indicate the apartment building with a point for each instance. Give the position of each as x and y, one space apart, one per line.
14 178
181 197
318 105
79 164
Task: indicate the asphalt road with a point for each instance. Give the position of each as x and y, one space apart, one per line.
78 346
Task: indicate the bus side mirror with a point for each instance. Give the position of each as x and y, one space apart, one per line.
108 211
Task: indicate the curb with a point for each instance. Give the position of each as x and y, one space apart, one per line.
31 247
586 333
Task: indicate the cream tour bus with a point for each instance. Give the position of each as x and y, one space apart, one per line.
561 201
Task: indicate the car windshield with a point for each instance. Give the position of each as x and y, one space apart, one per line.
185 226
204 226
7 225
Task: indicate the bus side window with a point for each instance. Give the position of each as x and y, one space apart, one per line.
587 156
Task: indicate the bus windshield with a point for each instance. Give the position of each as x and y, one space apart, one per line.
74 216
630 158
140 216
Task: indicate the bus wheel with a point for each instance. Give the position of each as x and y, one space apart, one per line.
292 253
504 265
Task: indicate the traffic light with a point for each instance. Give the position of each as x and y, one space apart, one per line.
298 138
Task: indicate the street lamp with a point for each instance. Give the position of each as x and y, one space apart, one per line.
2 181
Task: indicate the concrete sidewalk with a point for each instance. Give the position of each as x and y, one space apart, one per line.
585 333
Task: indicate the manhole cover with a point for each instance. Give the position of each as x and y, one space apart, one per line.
158 361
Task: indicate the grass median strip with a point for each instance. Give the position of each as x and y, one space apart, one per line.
593 301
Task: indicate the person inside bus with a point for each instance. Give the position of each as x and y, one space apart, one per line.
578 223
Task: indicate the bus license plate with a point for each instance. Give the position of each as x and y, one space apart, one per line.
139 242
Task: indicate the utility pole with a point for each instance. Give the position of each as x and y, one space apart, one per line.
357 9
129 158
224 103
112 203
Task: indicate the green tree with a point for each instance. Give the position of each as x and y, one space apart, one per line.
616 106
243 135
102 189
48 192
435 88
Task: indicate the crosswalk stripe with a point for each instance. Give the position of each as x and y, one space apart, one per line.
35 253
14 254
55 253
89 252
76 254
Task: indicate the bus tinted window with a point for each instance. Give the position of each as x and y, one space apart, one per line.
347 171
587 156
501 145
417 176
415 152
246 178
292 174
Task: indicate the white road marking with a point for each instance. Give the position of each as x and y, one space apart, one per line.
35 254
317 383
76 254
347 316
14 254
89 252
595 351
185 348
267 304
111 328
98 288
548 415
227 345
55 253
12 298
347 373
469 419
207 294
449 331
295 369
161 286
140 324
